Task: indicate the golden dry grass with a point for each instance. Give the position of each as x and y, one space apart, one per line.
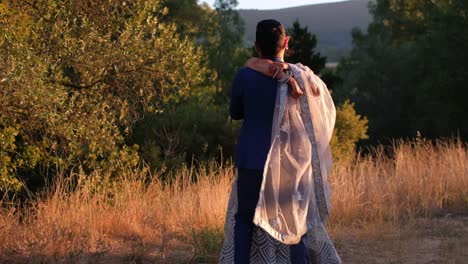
137 221
420 179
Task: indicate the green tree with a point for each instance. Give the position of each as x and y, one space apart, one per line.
407 73
76 76
198 128
195 21
302 48
227 52
219 32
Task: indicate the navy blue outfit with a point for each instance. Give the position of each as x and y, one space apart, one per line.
253 99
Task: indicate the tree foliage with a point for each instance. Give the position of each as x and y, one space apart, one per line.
350 127
198 128
408 72
227 54
75 76
302 48
190 18
219 32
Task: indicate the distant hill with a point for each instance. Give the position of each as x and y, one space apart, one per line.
332 23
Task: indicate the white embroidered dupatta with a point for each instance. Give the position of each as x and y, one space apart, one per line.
294 193
295 196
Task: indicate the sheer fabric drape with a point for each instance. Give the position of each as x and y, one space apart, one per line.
293 197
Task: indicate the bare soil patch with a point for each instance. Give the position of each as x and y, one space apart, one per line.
438 240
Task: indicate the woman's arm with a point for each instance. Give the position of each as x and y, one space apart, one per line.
275 70
268 67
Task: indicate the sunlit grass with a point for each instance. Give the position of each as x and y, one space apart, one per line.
137 218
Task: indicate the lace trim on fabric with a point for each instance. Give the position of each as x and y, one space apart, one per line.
316 172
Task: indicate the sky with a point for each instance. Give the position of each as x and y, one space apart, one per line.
273 4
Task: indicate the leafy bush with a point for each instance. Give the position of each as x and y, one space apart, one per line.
349 129
8 167
194 129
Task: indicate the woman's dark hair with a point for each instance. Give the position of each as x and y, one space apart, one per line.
269 37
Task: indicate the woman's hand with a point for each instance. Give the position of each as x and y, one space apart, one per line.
268 67
294 88
275 68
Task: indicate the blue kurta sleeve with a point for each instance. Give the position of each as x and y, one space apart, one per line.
236 106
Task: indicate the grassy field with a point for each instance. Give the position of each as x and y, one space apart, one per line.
410 207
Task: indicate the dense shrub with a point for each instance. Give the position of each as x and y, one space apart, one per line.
195 129
350 127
